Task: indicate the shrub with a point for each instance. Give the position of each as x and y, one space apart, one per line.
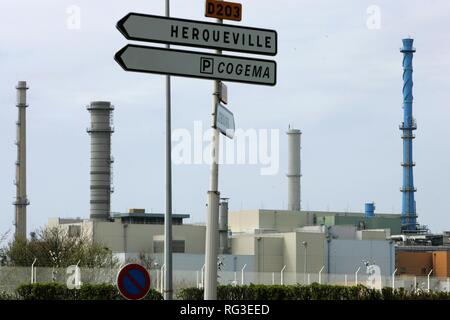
7 296
57 291
311 292
42 291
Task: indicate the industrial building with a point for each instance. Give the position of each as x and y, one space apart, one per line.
265 241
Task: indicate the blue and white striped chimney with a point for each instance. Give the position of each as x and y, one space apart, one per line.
409 217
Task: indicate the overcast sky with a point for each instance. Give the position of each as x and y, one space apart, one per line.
339 81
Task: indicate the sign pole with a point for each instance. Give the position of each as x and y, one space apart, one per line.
168 290
212 220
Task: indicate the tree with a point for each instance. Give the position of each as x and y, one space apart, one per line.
53 247
144 260
3 256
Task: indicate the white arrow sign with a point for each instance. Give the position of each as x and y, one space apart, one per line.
197 65
150 28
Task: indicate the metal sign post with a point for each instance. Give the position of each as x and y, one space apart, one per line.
168 290
212 219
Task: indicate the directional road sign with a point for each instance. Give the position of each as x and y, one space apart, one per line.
133 282
197 64
151 28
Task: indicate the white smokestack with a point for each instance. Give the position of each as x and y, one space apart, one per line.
294 169
21 163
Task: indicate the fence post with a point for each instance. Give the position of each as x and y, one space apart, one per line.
203 276
32 271
242 274
157 279
393 279
428 280
320 275
356 276
273 278
282 277
346 282
415 284
309 279
448 285
163 271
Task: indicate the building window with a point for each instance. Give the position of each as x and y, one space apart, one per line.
178 246
74 231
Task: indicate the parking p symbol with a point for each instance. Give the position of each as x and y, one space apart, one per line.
206 65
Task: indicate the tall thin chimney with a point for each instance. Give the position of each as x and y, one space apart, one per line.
409 217
21 202
101 160
294 169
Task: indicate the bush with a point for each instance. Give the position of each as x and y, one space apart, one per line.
42 291
57 291
7 296
312 292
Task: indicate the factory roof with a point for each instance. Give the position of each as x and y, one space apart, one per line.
147 215
139 216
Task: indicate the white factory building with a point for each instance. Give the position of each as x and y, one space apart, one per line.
264 240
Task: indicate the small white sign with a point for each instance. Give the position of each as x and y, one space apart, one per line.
225 121
223 93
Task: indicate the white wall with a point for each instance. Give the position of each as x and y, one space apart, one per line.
347 255
194 262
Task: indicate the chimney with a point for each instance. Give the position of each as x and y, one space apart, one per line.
101 160
409 217
21 202
294 169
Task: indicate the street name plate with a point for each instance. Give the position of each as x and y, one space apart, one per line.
197 65
151 28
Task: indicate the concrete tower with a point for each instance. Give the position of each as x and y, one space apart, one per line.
21 202
101 160
294 169
409 217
